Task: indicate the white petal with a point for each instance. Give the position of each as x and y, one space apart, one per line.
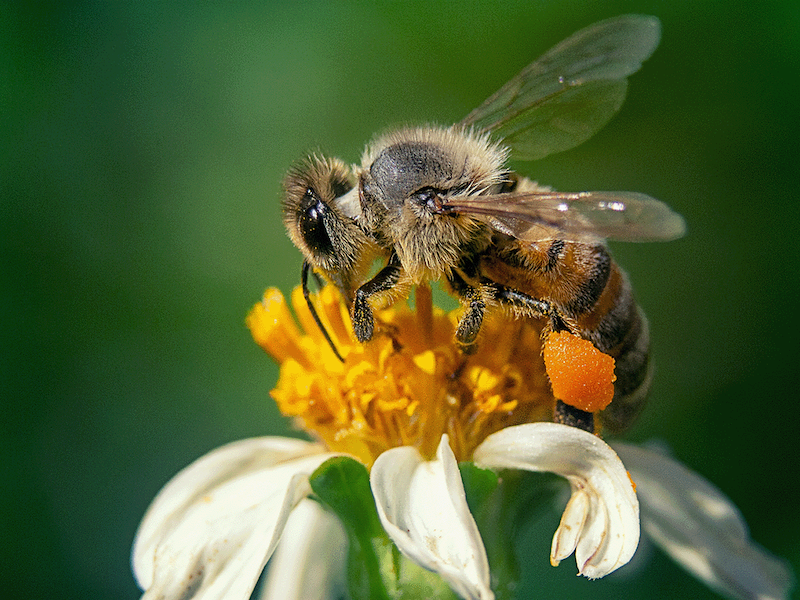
309 562
209 532
700 528
601 522
568 534
423 508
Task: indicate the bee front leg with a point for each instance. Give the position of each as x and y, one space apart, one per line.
384 280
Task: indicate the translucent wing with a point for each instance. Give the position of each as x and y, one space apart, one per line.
569 93
574 216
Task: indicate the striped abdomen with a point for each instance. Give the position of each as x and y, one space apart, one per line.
593 297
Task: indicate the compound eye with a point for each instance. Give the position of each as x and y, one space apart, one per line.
312 223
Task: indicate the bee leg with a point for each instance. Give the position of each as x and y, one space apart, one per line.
563 413
470 323
384 280
531 307
574 417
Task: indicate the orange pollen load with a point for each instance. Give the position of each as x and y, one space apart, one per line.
579 373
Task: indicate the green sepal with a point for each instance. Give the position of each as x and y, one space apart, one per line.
342 485
375 567
479 484
503 505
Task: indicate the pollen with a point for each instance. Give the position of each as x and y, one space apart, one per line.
580 374
407 386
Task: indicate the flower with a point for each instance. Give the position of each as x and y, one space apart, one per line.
210 531
701 529
408 386
410 406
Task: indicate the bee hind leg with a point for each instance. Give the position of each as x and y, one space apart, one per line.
533 307
574 417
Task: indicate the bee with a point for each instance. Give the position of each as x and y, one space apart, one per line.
439 203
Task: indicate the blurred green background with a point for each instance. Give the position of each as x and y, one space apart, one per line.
143 146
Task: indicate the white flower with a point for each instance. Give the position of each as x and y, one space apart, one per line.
212 529
701 529
424 510
601 521
410 405
301 568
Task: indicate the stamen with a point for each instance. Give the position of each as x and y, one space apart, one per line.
409 385
274 329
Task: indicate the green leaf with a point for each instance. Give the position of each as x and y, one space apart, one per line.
342 485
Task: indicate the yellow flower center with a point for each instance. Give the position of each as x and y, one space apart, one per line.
410 384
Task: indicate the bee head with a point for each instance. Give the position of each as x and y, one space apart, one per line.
320 219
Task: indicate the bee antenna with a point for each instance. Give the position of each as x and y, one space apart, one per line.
312 310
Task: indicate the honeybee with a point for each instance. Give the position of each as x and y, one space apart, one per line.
440 203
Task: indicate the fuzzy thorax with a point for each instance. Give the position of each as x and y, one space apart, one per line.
406 178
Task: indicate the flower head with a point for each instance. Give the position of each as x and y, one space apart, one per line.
409 386
410 406
413 405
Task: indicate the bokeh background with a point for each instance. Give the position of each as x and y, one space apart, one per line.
143 146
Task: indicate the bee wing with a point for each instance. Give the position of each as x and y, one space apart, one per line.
569 93
574 216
